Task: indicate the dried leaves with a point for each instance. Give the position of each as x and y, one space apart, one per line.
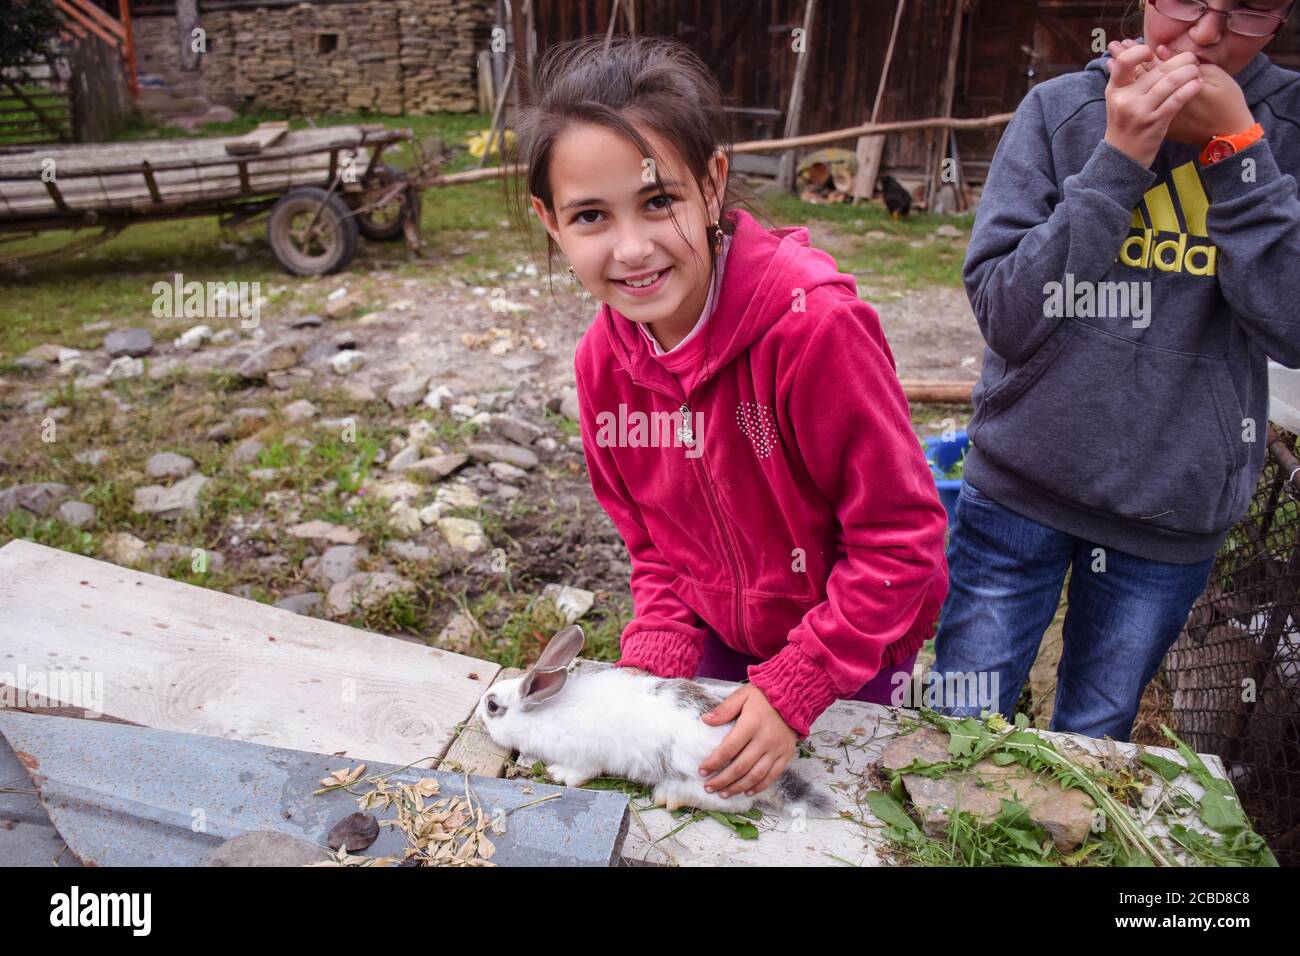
450 831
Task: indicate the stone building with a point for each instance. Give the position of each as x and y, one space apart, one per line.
386 56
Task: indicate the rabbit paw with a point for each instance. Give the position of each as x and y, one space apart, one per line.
568 776
669 796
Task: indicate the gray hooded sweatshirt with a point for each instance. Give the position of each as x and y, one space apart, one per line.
1129 314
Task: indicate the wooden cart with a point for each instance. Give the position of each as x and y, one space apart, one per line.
318 188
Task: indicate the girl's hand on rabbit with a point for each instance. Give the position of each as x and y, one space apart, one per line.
1144 95
756 750
1219 109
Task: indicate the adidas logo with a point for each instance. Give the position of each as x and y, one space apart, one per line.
1156 216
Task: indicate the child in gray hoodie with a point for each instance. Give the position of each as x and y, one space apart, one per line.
1135 262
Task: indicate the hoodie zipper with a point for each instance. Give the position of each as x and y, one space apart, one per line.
687 435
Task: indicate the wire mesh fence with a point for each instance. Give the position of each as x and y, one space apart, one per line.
1234 672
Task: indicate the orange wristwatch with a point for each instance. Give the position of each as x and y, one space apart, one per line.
1221 147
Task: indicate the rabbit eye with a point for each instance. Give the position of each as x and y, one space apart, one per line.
492 706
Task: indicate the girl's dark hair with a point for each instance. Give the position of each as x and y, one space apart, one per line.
657 83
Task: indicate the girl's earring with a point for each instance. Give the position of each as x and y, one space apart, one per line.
573 276
717 237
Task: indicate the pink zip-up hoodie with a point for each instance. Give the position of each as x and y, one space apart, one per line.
785 503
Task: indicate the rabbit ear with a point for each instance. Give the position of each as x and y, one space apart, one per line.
541 685
561 649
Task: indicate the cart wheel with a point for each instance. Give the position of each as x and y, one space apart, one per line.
333 239
384 223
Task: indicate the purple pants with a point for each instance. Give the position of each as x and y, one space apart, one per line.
720 662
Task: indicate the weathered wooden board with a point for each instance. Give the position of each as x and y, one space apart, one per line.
473 751
173 656
266 135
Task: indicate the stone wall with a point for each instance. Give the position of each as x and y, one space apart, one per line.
386 56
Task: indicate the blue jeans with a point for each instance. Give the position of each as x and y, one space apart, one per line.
1005 577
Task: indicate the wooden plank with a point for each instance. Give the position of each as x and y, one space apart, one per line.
871 148
473 751
935 165
178 657
75 15
94 13
795 110
266 135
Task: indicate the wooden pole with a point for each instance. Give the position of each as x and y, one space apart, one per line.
128 49
187 18
770 145
919 390
613 18
496 113
902 126
519 23
520 35
786 174
870 148
530 45
949 91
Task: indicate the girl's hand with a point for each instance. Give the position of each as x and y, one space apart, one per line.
1144 95
1219 109
758 747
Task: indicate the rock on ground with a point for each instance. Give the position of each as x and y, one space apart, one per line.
39 498
132 342
168 464
365 589
173 501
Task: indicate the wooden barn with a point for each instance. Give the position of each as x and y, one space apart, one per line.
962 58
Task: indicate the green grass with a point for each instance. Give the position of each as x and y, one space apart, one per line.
57 112
934 263
514 628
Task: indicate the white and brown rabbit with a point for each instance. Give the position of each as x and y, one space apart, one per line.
619 723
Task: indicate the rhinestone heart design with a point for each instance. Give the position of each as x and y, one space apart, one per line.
757 424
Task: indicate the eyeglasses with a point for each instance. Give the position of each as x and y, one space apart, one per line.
1246 23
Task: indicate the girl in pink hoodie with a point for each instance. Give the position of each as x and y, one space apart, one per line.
741 416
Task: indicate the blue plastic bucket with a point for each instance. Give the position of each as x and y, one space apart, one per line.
941 456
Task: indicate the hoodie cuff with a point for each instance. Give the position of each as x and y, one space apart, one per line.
1225 180
796 685
662 653
1116 175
